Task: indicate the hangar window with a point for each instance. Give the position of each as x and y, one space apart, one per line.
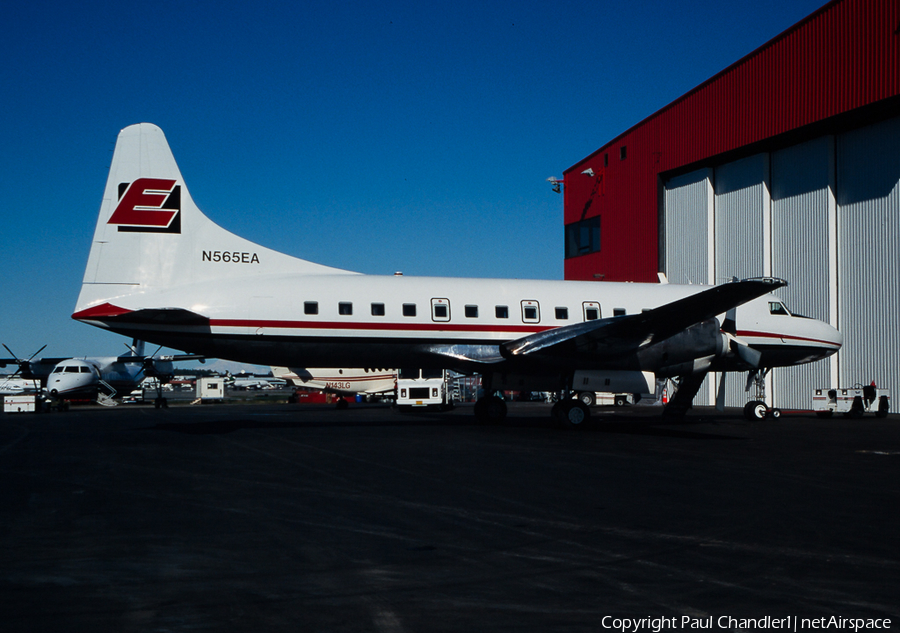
377 309
606 160
583 237
562 314
471 312
623 153
409 309
345 308
310 307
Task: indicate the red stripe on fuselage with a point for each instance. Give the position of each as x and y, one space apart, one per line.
397 327
748 333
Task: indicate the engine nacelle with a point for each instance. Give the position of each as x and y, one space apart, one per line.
688 352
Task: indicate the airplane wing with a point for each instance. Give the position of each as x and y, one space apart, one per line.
628 334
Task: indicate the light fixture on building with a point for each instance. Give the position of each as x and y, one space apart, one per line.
556 182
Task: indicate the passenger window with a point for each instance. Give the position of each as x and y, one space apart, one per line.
409 309
531 312
591 310
310 307
502 312
618 312
345 308
377 309
471 312
562 314
440 310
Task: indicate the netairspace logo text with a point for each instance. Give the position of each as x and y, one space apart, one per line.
789 623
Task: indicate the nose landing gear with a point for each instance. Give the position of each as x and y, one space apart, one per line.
757 409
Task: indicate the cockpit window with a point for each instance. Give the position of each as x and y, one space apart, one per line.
776 307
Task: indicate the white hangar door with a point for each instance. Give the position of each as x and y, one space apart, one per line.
742 229
803 236
688 213
688 228
868 208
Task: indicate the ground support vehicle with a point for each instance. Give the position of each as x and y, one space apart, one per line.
423 388
852 402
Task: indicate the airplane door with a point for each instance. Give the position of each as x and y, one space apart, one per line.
591 310
440 310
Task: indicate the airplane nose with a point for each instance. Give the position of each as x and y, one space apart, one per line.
831 336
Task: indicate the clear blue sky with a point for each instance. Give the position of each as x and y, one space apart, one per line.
375 137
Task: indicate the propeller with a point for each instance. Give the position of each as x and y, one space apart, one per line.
739 348
24 364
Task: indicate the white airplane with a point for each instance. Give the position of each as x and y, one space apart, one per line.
161 271
12 386
96 377
340 381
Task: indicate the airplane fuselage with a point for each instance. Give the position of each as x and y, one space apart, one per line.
362 320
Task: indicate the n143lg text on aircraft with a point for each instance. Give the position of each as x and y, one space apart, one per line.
98 377
161 271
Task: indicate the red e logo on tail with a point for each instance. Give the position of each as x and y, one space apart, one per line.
148 205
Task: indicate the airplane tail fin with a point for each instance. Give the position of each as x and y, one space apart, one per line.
151 235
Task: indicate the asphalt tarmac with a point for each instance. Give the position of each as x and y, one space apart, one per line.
305 518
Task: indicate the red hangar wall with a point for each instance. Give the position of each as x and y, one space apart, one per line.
786 163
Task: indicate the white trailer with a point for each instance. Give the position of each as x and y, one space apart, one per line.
852 402
211 389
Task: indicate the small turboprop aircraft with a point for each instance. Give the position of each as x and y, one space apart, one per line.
161 271
98 377
340 381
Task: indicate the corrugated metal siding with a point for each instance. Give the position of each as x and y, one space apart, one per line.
686 216
741 201
739 218
842 57
868 196
800 198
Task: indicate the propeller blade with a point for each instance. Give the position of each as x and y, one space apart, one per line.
746 353
720 394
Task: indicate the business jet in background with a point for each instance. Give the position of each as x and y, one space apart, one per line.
99 378
161 271
341 381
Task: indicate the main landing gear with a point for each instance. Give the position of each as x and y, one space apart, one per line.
568 412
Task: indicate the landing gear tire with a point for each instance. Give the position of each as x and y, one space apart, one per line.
490 410
572 414
756 410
